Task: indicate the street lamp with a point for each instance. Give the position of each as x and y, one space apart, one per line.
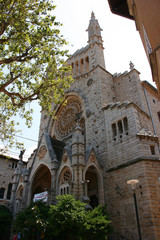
133 183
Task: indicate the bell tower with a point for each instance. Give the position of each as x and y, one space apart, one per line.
94 31
95 42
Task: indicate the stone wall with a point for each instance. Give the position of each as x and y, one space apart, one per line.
7 169
119 199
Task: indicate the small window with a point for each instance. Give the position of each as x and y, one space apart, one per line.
120 127
12 165
87 64
125 124
114 131
67 190
158 115
81 66
2 190
154 101
9 191
152 148
21 192
76 68
72 67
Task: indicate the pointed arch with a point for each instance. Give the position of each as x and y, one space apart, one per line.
93 175
64 180
41 180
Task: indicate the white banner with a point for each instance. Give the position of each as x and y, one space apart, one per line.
41 196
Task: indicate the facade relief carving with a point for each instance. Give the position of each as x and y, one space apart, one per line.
42 152
93 158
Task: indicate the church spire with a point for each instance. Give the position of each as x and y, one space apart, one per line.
94 31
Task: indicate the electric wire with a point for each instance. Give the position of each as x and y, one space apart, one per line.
29 139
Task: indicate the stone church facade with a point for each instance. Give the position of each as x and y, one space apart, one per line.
106 134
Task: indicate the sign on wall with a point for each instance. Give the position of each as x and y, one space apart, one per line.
41 196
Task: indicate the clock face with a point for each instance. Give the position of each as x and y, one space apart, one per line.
67 116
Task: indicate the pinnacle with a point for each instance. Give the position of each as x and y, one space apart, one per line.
92 15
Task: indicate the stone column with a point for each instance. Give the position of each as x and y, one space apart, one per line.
54 168
16 178
25 190
78 161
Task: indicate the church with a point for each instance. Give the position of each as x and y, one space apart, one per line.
105 135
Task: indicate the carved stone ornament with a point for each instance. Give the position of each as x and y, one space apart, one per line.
67 116
65 158
89 82
92 158
42 152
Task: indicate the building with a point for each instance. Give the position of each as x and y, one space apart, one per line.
147 20
8 166
106 134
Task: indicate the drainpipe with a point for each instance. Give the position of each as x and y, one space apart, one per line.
149 110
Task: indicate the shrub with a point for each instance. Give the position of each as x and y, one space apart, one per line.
67 220
5 223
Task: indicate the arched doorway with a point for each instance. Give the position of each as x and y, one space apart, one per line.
93 191
41 181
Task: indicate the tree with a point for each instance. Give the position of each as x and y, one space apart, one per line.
97 224
32 222
68 220
5 222
32 64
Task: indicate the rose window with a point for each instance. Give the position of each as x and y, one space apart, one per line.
67 117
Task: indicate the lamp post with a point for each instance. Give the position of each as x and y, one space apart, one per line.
133 183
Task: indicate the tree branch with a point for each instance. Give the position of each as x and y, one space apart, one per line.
22 58
12 96
12 79
11 7
3 27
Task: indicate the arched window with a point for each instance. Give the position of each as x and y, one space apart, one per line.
76 68
64 180
120 127
72 65
2 190
67 176
67 190
81 66
87 64
20 192
125 123
114 131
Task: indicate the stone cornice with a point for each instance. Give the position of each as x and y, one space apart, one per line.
133 161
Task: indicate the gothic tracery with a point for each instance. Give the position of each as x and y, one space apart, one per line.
67 117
